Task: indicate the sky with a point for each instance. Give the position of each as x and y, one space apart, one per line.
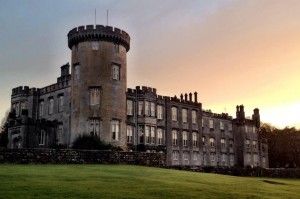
231 52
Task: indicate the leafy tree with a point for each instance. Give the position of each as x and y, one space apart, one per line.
4 131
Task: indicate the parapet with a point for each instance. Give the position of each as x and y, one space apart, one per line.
98 33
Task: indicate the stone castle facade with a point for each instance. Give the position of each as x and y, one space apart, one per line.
94 99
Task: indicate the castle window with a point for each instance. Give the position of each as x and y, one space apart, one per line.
147 111
174 113
248 156
194 117
231 160
41 108
141 107
246 129
254 144
95 96
230 127
223 144
77 72
116 48
59 134
50 106
147 134
115 129
254 129
212 157
185 156
175 155
17 109
255 157
129 134
203 141
60 103
42 137
223 158
184 115
116 72
247 142
202 122
95 126
152 135
185 138
129 107
195 154
212 142
211 124
141 133
221 125
152 109
195 139
160 136
23 106
174 137
231 144
159 112
95 45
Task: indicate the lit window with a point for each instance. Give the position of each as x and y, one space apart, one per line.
254 144
147 111
41 108
174 137
223 145
129 134
184 115
211 124
185 138
115 129
141 107
159 112
51 104
247 142
77 72
195 139
221 125
175 155
174 113
147 134
129 107
160 136
95 45
116 72
152 109
94 126
212 142
60 103
152 135
194 117
42 137
95 96
116 48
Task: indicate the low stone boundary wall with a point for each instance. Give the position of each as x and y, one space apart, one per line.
68 156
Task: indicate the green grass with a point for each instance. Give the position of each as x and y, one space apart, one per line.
122 181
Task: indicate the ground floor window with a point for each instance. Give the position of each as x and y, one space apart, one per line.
175 155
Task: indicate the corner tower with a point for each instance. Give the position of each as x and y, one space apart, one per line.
99 78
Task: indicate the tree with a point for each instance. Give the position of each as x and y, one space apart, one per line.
4 130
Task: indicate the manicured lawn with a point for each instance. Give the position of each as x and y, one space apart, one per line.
122 181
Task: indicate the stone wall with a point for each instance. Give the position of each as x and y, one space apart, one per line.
67 156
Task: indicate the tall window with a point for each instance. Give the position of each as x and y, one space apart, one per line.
129 134
160 136
184 115
116 72
221 125
230 143
95 45
147 111
174 113
223 144
247 142
195 139
77 72
94 126
224 158
116 48
185 138
50 106
255 157
141 134
203 141
159 112
185 156
211 124
147 134
231 160
115 129
174 137
95 96
202 122
212 157
60 103
175 155
212 142
194 117
152 107
41 108
141 107
42 137
230 127
195 154
246 129
152 135
254 129
248 157
254 144
23 106
59 134
129 107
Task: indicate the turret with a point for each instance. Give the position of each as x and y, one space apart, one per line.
256 117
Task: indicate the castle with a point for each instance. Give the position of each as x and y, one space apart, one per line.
94 99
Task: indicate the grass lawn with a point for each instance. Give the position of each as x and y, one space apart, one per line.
124 181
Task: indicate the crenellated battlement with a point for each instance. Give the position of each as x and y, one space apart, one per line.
22 90
209 113
98 33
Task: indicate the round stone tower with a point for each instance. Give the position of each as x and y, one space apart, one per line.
99 78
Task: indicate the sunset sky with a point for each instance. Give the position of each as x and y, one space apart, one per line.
231 52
